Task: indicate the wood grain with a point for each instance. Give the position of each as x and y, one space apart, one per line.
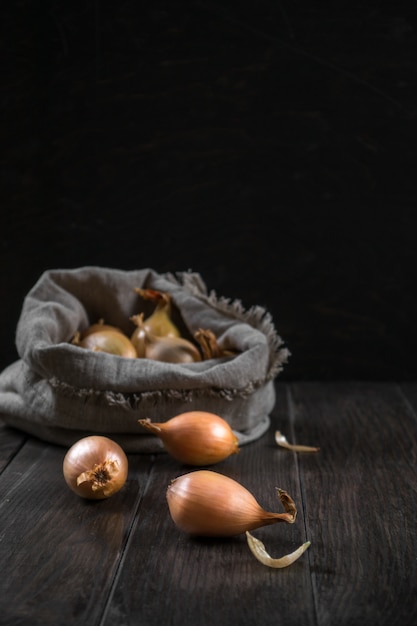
123 561
11 441
183 580
59 553
360 501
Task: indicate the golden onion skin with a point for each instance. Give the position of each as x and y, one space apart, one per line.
109 341
207 503
168 348
171 350
95 467
159 323
197 438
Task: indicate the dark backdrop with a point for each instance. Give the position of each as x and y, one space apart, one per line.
268 145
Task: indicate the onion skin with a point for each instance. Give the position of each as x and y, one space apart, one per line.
167 349
110 341
139 335
259 552
95 467
209 345
196 437
208 504
159 322
172 350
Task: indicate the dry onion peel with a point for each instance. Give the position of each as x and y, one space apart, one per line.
209 345
258 550
281 440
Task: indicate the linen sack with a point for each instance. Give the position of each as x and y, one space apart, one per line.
60 392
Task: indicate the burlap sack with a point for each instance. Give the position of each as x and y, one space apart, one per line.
60 392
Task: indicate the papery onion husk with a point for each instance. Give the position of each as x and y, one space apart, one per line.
281 440
210 504
210 346
95 467
257 547
195 437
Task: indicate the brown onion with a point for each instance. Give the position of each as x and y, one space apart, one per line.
195 437
159 322
95 467
167 349
172 350
110 341
206 503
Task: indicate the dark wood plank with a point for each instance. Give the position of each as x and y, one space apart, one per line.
122 561
59 553
409 391
360 501
11 440
169 578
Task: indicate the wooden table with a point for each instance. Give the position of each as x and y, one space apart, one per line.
122 561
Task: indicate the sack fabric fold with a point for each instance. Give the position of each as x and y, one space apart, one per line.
60 392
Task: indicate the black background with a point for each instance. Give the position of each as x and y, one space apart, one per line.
270 146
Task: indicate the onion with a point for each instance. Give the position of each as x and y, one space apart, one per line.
110 341
195 437
206 503
171 350
95 467
168 349
159 322
101 337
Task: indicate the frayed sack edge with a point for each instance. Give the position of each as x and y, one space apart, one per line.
132 401
256 316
